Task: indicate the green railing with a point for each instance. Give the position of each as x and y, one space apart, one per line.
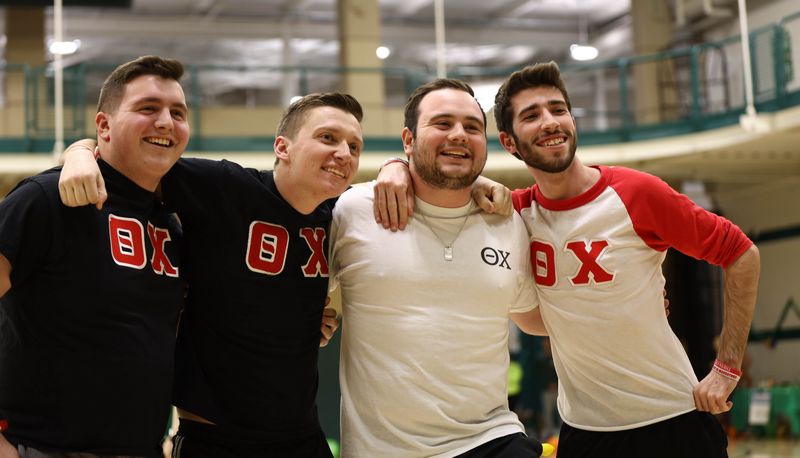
669 93
680 90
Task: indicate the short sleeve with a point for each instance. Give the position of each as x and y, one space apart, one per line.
336 223
527 297
25 225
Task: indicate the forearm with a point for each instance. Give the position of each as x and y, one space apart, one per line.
530 322
81 181
7 450
77 148
5 275
394 195
741 287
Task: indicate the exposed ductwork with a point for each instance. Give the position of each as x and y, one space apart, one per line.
692 11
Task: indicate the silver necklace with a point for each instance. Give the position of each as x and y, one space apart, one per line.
448 246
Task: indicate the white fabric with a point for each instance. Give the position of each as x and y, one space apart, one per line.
424 357
619 364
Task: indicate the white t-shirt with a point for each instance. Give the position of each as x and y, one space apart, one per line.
597 264
424 355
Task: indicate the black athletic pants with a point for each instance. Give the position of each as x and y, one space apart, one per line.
693 434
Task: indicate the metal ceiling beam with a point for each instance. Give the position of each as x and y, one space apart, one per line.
177 26
411 7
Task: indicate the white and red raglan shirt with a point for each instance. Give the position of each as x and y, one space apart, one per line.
597 261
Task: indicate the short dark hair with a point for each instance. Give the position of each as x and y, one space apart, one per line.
294 114
412 105
541 74
114 86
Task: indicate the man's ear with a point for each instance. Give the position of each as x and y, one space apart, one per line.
509 144
408 141
101 121
281 147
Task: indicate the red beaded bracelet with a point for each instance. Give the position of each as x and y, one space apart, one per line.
3 425
727 371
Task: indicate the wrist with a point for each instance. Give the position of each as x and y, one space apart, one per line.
393 160
726 371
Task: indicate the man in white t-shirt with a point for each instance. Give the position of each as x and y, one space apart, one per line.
424 355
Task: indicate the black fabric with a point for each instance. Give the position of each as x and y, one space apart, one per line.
86 344
29 452
512 446
694 434
249 339
197 440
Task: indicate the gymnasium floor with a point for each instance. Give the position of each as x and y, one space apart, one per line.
764 448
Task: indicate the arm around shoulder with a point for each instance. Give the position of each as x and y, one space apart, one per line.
81 182
394 195
492 197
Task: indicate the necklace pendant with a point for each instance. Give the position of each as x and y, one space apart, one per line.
448 253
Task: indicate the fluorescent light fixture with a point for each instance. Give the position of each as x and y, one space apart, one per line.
64 47
582 52
383 52
294 99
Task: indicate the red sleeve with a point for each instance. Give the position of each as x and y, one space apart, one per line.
664 218
522 198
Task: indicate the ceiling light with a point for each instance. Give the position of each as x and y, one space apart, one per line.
383 52
64 47
581 52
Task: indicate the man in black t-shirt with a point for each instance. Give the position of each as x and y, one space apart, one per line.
89 300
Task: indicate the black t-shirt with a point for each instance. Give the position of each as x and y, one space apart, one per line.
249 338
87 330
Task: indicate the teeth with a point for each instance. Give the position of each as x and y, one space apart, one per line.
158 141
455 153
336 172
554 142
